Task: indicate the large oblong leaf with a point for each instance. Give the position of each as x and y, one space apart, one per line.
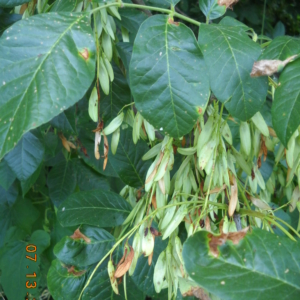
26 157
99 208
11 3
282 48
47 64
229 55
286 105
168 76
80 253
262 266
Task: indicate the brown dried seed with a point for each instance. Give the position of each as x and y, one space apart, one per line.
227 3
269 67
106 148
233 197
125 265
79 235
150 259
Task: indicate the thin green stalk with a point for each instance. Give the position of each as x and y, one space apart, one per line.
263 21
145 7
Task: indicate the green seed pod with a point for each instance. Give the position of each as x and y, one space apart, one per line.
168 215
206 152
260 179
138 120
260 124
103 13
187 151
150 130
152 152
107 45
147 242
114 12
245 136
111 274
114 124
136 245
115 141
226 132
103 77
178 247
253 184
242 163
176 220
163 166
279 154
160 272
93 105
109 68
206 133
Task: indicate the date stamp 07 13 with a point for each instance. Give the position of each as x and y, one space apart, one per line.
31 249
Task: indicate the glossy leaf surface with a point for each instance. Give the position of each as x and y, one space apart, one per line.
286 105
229 55
26 157
211 9
44 75
160 64
270 263
97 207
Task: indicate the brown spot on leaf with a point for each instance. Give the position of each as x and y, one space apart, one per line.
84 54
71 270
220 240
171 21
79 235
155 232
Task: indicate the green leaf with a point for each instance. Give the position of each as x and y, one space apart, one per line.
88 179
127 161
97 208
131 20
262 266
79 253
7 176
168 77
63 5
143 274
10 195
11 3
158 3
29 182
286 105
229 55
282 48
99 287
62 284
61 182
26 157
172 2
229 21
38 76
66 121
13 264
211 9
21 214
125 52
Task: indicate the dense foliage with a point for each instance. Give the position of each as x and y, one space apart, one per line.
149 149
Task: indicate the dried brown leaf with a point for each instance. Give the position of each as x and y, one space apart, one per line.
71 145
233 197
207 224
78 235
269 67
218 189
272 132
227 3
64 142
125 265
220 240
